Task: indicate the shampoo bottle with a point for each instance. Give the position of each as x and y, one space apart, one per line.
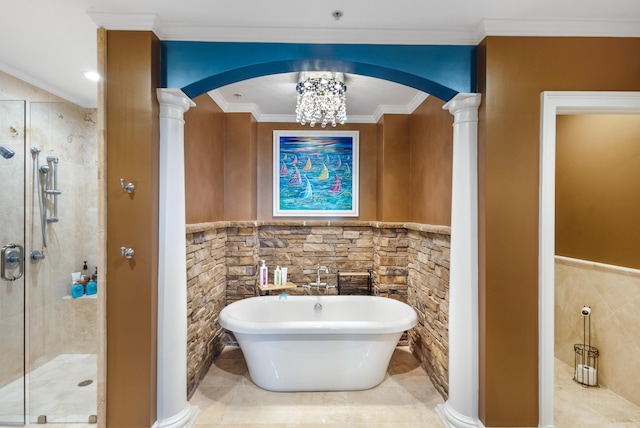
277 276
264 275
77 290
92 288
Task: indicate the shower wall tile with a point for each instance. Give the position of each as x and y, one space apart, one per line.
79 325
614 297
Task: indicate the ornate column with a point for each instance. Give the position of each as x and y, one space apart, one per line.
173 408
461 408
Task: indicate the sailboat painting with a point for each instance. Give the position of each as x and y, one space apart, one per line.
327 182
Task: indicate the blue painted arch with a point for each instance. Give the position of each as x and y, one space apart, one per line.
197 67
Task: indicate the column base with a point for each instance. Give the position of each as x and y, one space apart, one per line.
451 418
185 419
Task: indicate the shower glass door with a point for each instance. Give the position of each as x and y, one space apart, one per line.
12 282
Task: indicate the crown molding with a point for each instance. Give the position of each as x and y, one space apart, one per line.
400 109
127 21
390 36
411 36
55 90
227 107
560 27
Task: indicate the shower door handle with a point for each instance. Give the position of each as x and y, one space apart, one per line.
12 256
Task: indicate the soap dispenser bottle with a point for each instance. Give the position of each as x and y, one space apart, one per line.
264 275
277 277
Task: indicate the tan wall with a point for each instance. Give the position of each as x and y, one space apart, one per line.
597 188
368 174
513 71
229 161
240 167
394 165
204 161
132 130
431 163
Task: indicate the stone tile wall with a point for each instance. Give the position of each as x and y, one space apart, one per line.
206 296
409 262
301 248
390 267
241 260
428 293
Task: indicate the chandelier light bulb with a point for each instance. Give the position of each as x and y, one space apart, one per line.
321 99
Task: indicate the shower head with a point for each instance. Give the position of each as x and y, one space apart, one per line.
35 150
6 152
44 169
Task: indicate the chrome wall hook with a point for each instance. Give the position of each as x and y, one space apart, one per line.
129 187
127 253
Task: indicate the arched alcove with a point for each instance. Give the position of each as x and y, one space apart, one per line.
198 67
190 69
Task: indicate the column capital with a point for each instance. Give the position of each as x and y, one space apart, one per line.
464 107
173 102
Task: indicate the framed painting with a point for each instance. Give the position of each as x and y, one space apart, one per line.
315 173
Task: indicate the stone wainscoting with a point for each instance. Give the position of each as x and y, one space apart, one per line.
408 262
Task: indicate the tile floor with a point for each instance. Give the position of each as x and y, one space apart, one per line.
55 391
406 398
578 406
227 397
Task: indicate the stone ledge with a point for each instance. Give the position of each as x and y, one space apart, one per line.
419 227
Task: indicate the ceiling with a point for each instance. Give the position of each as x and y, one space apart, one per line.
51 43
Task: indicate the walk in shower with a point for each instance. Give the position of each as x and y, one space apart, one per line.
48 213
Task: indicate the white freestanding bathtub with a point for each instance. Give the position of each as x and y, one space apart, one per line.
317 343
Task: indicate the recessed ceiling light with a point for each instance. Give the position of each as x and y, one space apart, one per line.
92 75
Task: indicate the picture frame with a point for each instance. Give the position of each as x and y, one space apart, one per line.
316 173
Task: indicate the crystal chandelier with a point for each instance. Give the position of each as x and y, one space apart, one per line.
321 98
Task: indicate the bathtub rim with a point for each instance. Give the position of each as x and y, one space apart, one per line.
233 323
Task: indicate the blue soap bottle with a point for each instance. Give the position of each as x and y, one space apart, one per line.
92 288
77 290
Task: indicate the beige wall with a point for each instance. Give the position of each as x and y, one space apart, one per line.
614 297
513 71
597 188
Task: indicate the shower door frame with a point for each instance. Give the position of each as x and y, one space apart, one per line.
18 237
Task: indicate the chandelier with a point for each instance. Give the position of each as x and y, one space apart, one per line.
321 98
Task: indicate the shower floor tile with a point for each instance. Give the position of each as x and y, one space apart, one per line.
54 391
